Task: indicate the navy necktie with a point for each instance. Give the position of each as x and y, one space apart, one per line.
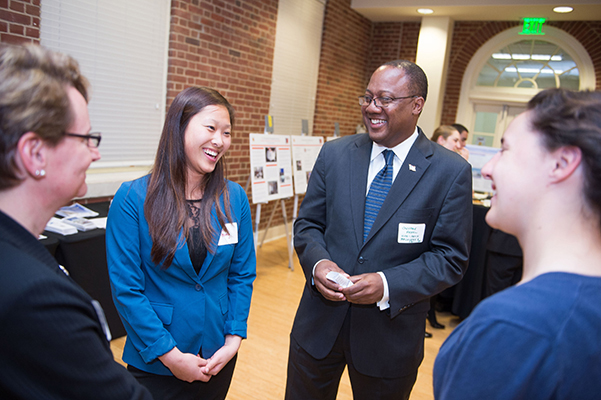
377 193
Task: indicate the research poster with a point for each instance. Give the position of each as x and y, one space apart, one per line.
304 153
270 164
480 155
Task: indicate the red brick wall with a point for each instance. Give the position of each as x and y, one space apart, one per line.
342 68
469 36
19 21
392 41
227 45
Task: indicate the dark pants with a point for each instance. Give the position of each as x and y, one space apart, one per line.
169 387
309 378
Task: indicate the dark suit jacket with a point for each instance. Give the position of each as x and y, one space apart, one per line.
53 345
434 188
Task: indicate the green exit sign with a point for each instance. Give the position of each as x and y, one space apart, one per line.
533 26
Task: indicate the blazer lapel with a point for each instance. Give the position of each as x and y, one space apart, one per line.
358 166
412 170
182 258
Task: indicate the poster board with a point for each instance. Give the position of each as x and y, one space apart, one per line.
480 155
270 167
305 150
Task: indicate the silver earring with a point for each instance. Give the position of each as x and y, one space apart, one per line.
40 172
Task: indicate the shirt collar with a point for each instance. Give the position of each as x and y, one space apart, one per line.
400 150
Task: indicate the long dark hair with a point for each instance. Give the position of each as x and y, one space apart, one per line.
165 205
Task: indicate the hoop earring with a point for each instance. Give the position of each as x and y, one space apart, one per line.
40 172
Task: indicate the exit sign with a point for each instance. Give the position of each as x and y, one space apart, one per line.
533 26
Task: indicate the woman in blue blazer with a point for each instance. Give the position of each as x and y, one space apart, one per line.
181 256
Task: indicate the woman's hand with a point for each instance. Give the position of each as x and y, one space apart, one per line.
185 366
222 356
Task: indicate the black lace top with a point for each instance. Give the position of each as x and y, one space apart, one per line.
196 246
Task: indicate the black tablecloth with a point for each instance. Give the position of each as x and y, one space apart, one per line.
84 256
473 287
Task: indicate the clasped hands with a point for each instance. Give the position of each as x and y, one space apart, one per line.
366 289
192 367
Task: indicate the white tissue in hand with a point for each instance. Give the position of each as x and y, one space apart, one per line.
340 279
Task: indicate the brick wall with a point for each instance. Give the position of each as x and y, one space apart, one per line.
342 68
469 36
392 41
227 45
19 21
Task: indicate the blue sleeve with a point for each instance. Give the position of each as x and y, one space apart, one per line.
125 227
494 359
242 271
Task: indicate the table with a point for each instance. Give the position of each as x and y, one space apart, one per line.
84 256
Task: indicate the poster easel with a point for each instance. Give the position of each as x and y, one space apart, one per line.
270 176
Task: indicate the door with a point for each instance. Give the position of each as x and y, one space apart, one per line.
490 121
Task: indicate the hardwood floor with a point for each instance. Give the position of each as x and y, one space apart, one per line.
261 369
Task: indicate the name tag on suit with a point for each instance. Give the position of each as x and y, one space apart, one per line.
229 238
411 233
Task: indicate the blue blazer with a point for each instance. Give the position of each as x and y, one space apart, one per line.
160 308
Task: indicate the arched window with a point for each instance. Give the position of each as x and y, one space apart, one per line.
530 63
511 68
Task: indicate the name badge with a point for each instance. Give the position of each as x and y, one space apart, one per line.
411 233
232 237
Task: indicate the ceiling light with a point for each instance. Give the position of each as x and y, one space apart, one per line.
563 10
425 11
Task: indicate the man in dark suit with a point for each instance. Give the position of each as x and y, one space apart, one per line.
418 246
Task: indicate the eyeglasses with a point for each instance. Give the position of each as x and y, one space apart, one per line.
93 138
381 101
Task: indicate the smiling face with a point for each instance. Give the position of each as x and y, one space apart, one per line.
389 126
452 142
206 139
518 173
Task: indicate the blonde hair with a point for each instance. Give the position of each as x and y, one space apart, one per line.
443 130
33 98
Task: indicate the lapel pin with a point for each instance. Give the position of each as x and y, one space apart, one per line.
412 167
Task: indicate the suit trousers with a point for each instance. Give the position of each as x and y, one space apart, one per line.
313 379
168 387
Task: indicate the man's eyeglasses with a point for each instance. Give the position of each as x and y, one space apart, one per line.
380 101
93 138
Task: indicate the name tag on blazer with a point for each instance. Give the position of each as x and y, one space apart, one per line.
411 233
232 237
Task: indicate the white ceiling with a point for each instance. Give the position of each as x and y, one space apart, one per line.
477 10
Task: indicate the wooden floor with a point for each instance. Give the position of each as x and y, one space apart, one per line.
261 369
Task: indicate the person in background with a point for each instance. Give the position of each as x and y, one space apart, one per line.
55 340
540 338
397 254
448 137
181 256
465 153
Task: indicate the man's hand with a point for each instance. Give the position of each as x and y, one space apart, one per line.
330 290
367 289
